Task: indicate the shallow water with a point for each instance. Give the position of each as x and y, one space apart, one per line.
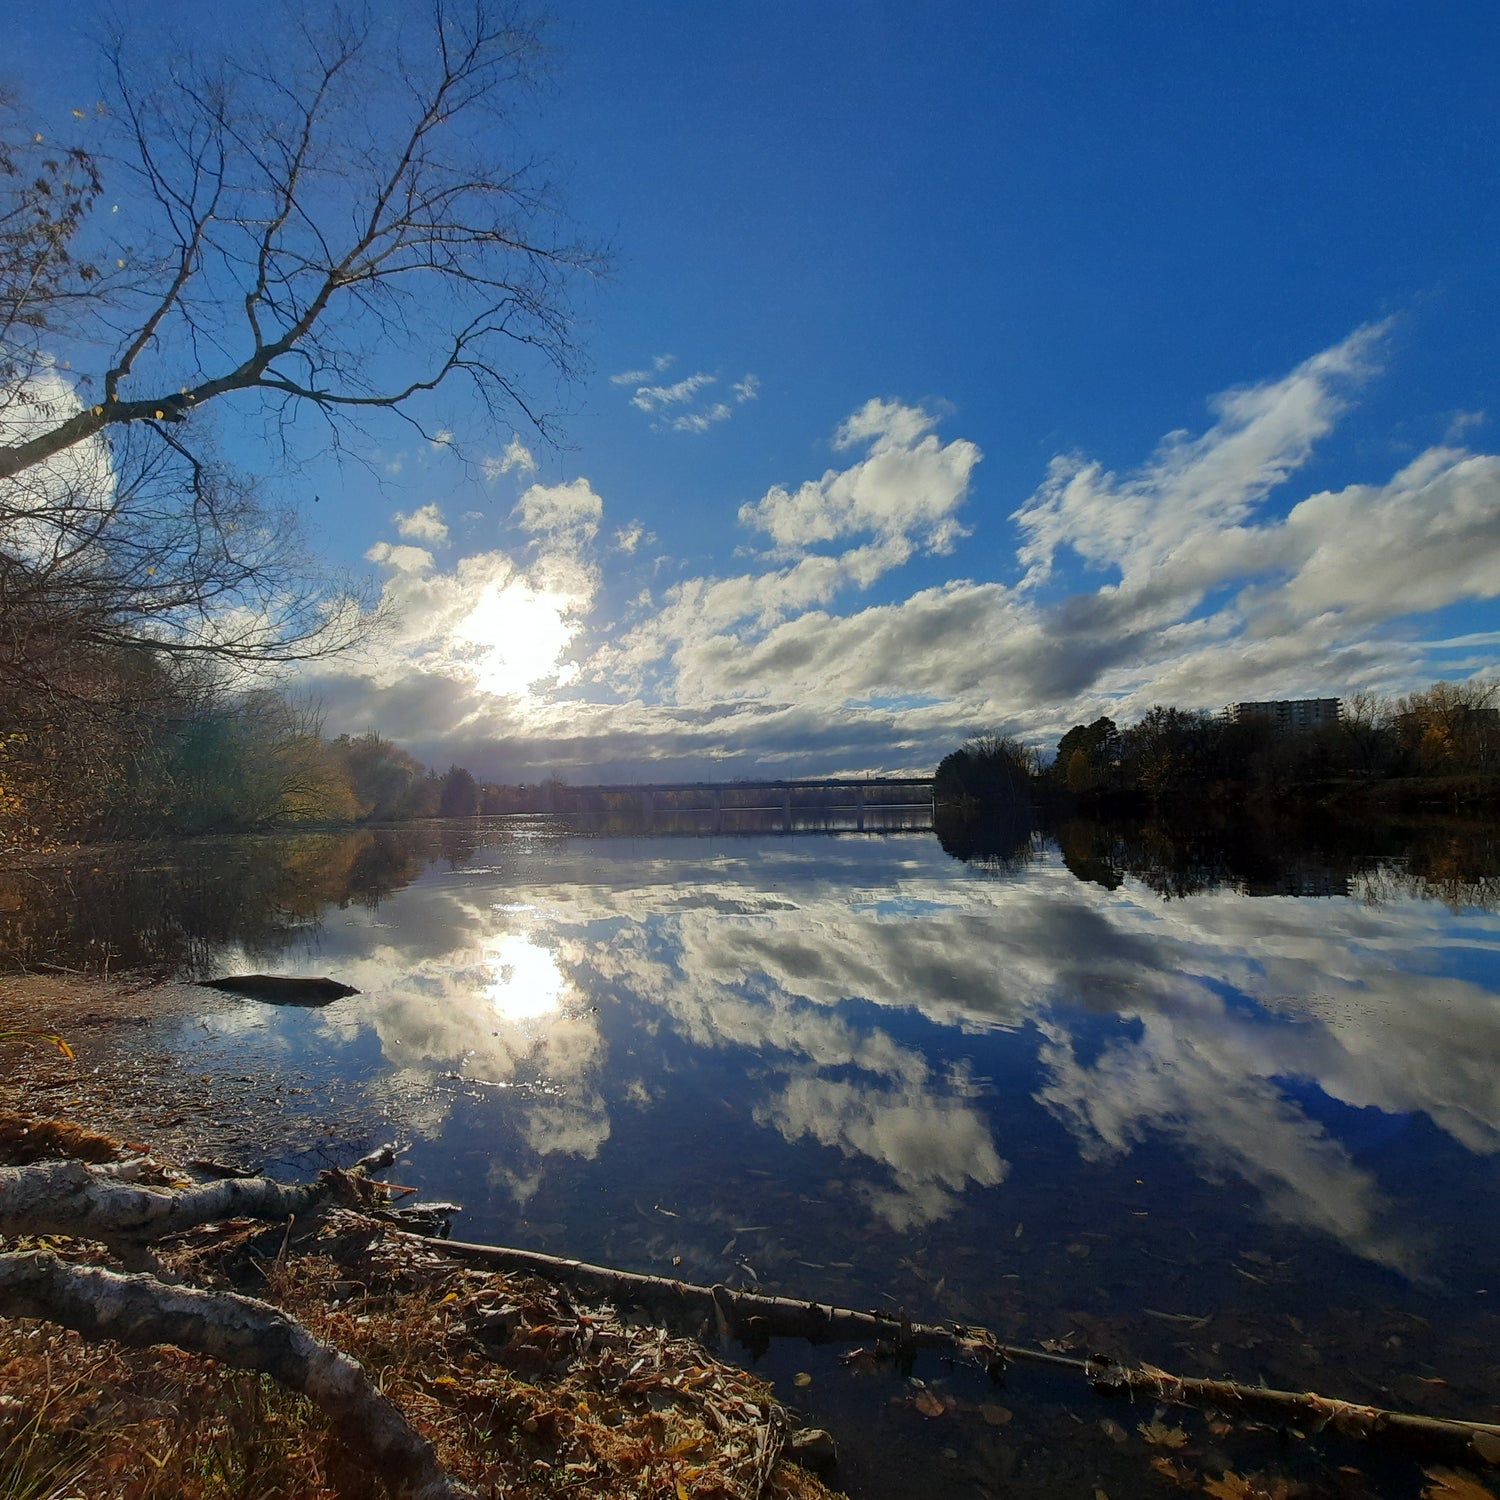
1199 1121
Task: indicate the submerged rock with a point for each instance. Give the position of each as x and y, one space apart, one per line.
282 989
814 1449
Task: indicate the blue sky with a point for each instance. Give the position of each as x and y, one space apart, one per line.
964 367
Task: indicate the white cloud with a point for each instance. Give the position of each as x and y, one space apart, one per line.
573 509
629 537
402 559
425 524
1263 433
637 377
700 421
653 397
909 484
516 456
747 389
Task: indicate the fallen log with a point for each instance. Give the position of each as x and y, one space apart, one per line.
754 1318
240 1331
66 1197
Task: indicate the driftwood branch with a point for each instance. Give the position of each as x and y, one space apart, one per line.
239 1331
754 1318
67 1197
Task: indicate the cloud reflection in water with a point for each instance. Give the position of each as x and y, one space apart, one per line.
806 961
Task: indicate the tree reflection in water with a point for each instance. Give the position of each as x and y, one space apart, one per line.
1455 861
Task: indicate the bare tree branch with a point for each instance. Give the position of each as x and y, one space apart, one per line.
323 227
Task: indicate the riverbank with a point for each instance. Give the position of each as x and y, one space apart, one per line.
522 1391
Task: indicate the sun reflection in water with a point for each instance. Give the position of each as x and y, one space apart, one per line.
528 983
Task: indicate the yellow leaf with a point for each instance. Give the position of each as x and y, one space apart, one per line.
995 1416
801 1378
1176 1472
452 1296
1157 1431
1230 1486
682 1493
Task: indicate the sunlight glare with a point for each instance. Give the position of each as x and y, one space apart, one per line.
520 634
528 982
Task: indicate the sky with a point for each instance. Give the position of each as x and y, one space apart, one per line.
961 368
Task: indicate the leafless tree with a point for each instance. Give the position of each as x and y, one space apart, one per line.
346 225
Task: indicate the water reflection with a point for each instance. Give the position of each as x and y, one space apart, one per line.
580 1027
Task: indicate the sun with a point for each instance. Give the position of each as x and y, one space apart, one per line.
518 635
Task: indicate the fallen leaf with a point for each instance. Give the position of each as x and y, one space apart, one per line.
1156 1431
996 1416
1449 1485
1176 1472
1113 1431
1229 1486
801 1378
929 1404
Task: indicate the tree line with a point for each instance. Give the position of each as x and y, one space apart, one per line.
169 763
1442 742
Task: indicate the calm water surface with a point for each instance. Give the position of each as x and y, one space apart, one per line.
1205 1121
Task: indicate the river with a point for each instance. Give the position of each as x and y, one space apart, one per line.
1230 1119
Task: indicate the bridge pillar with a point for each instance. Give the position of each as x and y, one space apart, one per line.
859 808
718 811
786 808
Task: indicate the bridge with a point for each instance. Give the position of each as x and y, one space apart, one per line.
723 806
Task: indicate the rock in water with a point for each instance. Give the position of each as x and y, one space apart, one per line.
282 989
814 1449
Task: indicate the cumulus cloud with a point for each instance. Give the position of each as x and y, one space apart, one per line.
425 524
909 484
747 389
572 509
